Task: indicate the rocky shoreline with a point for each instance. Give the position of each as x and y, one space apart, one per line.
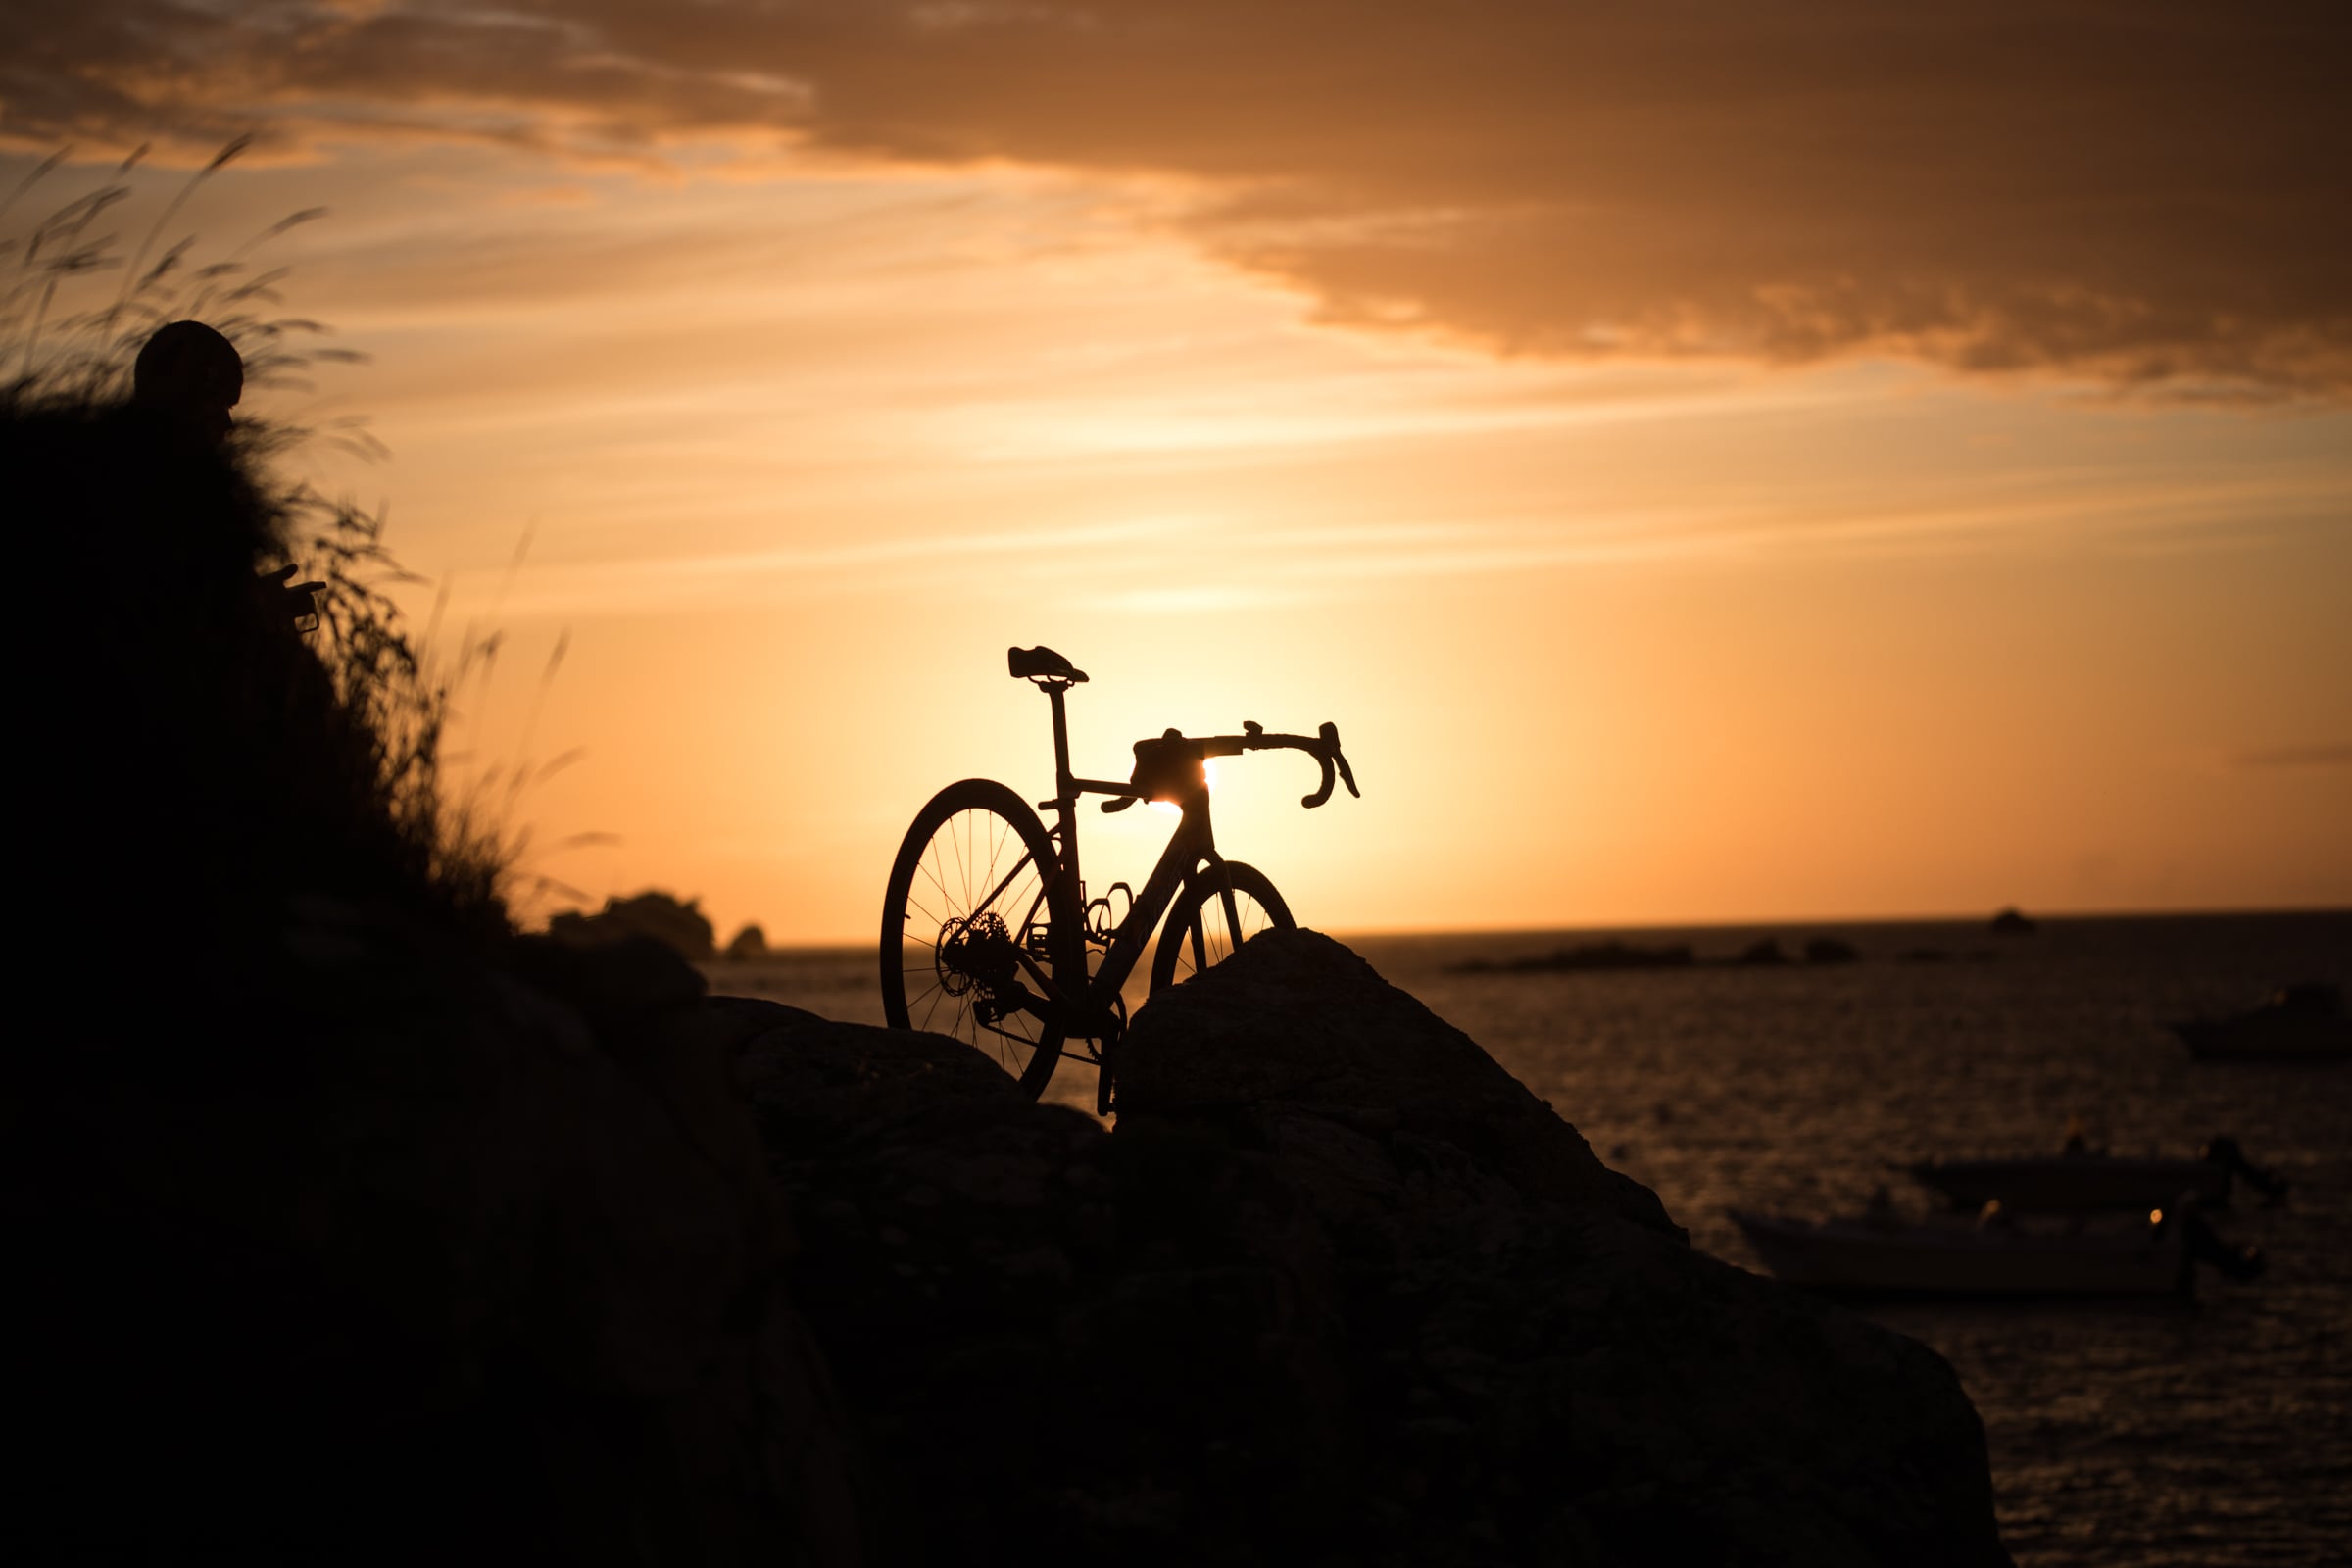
563 1258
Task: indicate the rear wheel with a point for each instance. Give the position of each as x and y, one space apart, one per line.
1199 932
974 924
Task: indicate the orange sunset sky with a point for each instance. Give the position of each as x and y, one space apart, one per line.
1713 462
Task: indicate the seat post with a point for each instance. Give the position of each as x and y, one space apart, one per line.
1063 781
1065 795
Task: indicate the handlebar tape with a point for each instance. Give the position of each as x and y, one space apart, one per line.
1323 789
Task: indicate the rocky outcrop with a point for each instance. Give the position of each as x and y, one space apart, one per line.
677 924
434 1261
1337 1288
1307 1028
1059 1344
557 1259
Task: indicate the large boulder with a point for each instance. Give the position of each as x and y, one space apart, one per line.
1335 1288
1058 1345
1308 1026
432 1260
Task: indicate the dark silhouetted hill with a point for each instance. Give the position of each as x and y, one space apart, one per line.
184 750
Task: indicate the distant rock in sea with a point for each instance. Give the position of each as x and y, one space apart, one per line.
1764 953
1590 956
677 924
747 944
2011 923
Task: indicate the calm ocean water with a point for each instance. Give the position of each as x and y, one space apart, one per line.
2217 1432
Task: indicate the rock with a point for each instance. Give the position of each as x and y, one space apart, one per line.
1590 956
747 944
1335 1288
676 924
2011 923
461 1265
1765 952
563 1259
1059 1345
1829 950
1309 1025
614 982
1535 1353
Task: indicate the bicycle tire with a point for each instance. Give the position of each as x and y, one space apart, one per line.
1196 937
940 960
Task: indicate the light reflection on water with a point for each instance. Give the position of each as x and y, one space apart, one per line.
2215 1434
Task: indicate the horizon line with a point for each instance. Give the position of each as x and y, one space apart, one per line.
1973 919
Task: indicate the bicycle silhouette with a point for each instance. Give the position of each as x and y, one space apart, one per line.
987 931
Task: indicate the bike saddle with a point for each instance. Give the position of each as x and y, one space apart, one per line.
1040 664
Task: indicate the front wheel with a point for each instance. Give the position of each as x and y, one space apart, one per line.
974 927
1200 933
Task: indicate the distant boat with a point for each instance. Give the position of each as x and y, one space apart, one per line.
2294 1023
2083 1183
1887 1255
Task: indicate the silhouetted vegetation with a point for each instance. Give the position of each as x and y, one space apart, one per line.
194 746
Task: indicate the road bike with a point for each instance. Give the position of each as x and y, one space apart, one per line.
986 930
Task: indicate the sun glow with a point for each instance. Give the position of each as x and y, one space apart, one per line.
1777 630
1208 779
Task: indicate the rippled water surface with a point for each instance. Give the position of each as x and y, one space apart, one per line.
2217 1432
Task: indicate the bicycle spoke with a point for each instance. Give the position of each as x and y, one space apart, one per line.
925 868
1202 936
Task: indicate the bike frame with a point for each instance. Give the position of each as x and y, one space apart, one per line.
1092 1015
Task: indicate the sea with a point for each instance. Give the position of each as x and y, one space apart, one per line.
2211 1431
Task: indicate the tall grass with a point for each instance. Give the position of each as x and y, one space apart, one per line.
65 336
76 303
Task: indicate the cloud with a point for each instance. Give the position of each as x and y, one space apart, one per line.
2149 193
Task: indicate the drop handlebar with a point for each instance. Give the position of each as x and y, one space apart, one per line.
1323 746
